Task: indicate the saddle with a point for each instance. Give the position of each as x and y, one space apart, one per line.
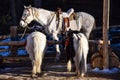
72 16
66 20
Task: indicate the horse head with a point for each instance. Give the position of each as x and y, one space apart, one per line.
27 16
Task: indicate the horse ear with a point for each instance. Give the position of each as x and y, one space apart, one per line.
24 6
29 6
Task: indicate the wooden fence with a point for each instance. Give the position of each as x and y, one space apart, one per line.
114 34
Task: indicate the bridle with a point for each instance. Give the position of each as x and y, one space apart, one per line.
24 18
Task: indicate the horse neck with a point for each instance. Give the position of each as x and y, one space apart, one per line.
43 16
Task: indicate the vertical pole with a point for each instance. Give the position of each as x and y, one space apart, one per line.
13 29
13 34
13 12
105 33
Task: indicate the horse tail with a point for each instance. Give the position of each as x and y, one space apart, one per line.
78 47
83 46
83 51
80 50
36 50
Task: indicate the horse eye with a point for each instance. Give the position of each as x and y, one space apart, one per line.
28 14
25 15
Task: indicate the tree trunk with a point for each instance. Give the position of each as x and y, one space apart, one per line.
13 29
13 13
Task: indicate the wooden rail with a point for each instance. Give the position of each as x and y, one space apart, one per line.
22 43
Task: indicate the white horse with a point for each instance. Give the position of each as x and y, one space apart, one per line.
77 51
81 49
48 20
35 46
83 21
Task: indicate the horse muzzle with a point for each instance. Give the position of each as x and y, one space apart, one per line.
22 23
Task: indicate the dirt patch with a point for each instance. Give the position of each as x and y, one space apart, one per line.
21 70
56 72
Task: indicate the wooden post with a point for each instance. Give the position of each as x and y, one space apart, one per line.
13 12
105 33
13 34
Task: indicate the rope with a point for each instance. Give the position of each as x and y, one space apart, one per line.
23 33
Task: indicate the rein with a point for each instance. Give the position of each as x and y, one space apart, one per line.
24 32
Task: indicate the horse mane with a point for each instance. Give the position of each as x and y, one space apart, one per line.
43 10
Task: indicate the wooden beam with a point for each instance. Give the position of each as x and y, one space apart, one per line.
53 42
22 43
97 41
105 33
4 37
13 43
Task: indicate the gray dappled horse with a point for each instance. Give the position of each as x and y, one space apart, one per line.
48 19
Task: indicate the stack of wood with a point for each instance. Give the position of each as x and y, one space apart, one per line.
97 58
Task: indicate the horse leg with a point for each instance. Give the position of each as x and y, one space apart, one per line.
34 68
38 69
58 52
84 65
87 30
76 64
69 65
55 37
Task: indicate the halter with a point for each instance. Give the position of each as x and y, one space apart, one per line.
25 18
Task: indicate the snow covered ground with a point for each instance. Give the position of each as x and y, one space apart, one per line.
104 71
58 72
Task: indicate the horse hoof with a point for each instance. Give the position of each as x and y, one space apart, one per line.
34 76
39 74
57 60
82 74
77 74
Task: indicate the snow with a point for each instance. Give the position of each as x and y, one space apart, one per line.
105 71
6 53
57 66
95 70
22 52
